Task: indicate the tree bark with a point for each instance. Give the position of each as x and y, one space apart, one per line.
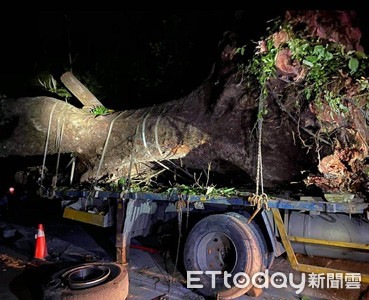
206 126
79 90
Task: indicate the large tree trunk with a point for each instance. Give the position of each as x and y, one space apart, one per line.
215 123
198 128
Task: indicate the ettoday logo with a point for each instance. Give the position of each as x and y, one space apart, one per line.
277 280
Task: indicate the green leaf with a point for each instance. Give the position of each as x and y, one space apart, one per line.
312 59
360 55
101 111
227 191
308 63
353 64
328 55
319 50
308 93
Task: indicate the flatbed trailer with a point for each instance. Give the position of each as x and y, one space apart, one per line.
214 227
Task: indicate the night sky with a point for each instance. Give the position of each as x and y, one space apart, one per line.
135 57
128 58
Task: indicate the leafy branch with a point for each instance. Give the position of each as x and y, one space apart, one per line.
50 84
101 110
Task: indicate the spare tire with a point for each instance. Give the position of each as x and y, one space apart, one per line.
92 281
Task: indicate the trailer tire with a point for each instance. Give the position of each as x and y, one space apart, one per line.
114 286
244 217
222 243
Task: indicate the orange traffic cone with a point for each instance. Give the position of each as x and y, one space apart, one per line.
41 248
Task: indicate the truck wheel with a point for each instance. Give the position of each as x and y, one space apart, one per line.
244 216
92 281
222 243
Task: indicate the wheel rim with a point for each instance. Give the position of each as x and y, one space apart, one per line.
217 252
86 276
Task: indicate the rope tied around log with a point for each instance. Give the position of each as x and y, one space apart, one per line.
256 199
42 172
94 183
58 144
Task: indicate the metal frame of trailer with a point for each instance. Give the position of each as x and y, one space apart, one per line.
133 213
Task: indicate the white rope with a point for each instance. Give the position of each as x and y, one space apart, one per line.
259 200
106 145
144 131
158 147
58 158
72 169
47 144
73 163
259 171
93 185
157 136
179 205
58 142
132 158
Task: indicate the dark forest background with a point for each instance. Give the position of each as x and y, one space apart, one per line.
127 58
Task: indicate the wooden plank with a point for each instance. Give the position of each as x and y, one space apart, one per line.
79 90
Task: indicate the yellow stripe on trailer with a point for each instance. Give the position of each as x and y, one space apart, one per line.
286 240
87 217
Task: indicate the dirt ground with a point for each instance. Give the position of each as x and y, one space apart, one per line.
21 275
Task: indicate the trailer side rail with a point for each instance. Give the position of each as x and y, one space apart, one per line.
354 207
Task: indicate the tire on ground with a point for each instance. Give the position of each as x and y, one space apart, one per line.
241 254
114 287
